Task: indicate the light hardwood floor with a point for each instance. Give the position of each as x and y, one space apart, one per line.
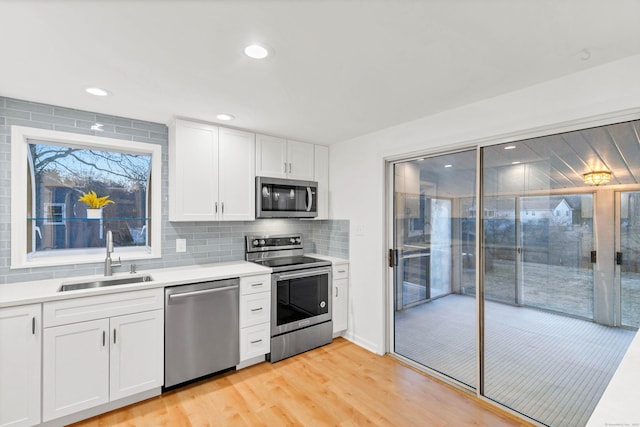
339 384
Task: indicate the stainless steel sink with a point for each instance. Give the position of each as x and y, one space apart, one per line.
104 282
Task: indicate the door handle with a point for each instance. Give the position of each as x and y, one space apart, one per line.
204 291
619 259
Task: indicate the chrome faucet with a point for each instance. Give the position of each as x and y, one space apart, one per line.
108 263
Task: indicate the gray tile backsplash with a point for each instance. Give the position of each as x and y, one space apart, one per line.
207 242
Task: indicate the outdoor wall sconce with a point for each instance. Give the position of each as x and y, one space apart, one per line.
597 178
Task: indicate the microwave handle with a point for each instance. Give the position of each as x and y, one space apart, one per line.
309 199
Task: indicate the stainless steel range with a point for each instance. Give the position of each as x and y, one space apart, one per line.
300 294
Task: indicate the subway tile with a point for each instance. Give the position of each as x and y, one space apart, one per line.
112 120
74 114
28 123
33 107
7 112
132 132
45 118
70 129
158 128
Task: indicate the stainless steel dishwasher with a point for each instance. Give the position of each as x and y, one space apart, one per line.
201 330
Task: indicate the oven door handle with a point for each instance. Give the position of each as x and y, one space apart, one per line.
305 273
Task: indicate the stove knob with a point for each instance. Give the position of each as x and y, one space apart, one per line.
255 242
292 240
298 240
262 242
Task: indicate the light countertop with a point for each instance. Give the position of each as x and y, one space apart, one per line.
47 290
334 260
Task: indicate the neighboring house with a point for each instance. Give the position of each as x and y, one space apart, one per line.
556 209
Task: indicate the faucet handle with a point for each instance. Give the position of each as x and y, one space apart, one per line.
116 264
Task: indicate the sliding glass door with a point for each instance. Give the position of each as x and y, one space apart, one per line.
434 256
628 258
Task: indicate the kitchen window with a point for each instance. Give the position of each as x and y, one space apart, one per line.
52 226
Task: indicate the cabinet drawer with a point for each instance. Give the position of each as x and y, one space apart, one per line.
255 309
101 306
340 271
255 341
255 284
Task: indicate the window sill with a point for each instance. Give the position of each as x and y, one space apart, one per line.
85 256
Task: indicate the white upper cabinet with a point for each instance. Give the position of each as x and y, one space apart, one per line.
211 173
271 156
300 157
321 175
236 175
20 350
281 158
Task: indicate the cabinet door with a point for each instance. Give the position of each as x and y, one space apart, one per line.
193 181
340 305
75 367
271 157
321 175
20 366
300 158
137 353
236 173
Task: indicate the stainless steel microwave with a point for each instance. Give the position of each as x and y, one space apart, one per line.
285 198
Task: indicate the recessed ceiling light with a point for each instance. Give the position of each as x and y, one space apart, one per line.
97 91
448 166
257 51
515 163
509 147
225 117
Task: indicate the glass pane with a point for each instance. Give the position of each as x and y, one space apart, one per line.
557 239
630 252
434 231
543 355
114 184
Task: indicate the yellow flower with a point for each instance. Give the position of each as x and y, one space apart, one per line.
93 201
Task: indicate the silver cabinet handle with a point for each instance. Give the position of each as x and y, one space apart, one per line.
114 335
255 285
204 291
289 167
216 207
222 204
33 325
342 271
256 341
104 338
285 167
336 292
256 309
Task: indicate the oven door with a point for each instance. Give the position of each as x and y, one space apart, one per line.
299 299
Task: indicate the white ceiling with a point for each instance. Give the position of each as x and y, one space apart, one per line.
341 69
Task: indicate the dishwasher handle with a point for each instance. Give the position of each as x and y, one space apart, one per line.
202 292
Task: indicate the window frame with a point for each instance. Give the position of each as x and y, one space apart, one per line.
20 137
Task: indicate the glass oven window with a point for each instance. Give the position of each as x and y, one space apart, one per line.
302 298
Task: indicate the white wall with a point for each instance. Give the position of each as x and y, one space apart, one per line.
357 168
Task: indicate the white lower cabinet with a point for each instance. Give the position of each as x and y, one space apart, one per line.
75 367
99 360
20 351
340 302
255 316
